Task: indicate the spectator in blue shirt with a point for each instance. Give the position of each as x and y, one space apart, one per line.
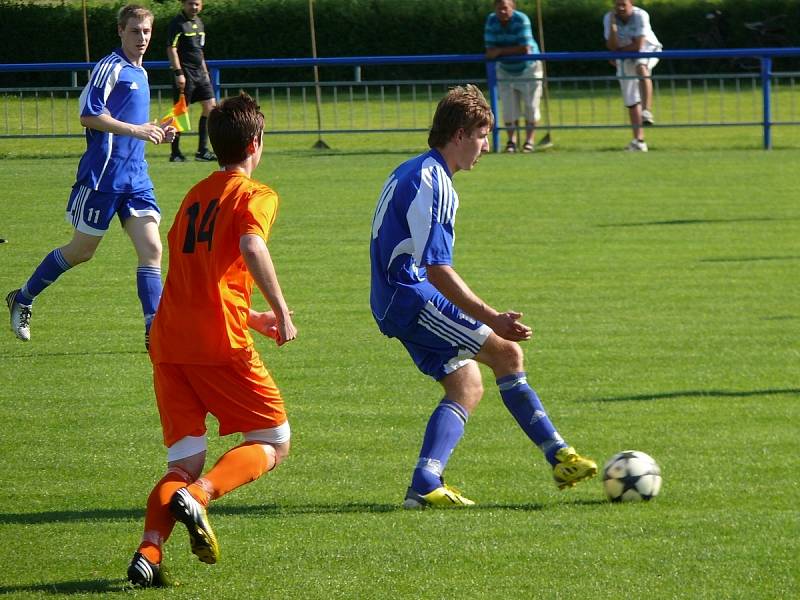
508 33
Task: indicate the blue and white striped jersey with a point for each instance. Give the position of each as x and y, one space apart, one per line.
413 226
115 163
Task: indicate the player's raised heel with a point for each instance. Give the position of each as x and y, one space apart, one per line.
143 573
191 513
441 497
572 468
20 317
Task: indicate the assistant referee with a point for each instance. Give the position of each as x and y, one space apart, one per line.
186 38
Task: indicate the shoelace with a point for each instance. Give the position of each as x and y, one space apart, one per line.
24 316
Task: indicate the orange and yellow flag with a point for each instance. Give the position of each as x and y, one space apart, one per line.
179 115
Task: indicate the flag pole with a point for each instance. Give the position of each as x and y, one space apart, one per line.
546 140
86 37
319 143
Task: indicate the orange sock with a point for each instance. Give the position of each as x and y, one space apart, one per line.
158 520
239 465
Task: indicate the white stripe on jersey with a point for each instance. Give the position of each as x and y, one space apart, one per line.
105 76
383 204
102 69
404 247
446 197
108 157
420 212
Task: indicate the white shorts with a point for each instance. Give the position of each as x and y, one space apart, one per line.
523 88
631 95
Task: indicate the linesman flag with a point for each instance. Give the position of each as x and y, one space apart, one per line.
179 115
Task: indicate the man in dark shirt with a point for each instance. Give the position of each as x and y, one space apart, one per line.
186 37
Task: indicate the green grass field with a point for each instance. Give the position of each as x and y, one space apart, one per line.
662 289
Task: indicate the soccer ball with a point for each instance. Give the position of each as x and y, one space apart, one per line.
631 475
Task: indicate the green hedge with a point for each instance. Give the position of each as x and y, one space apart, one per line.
280 28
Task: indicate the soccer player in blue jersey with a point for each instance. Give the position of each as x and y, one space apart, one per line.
417 297
112 177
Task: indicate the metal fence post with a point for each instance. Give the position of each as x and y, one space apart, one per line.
215 81
766 84
491 82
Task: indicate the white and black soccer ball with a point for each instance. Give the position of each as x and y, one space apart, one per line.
631 475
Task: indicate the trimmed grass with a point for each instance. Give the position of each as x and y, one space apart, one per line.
662 289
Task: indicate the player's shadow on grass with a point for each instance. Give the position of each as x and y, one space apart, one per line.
699 394
259 510
289 510
86 586
77 352
698 222
69 516
748 259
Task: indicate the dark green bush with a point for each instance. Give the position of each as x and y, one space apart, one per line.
280 28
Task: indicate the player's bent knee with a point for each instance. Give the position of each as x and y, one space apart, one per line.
76 254
188 453
149 253
502 355
512 355
275 441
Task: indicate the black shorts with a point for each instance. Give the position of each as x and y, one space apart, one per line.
198 87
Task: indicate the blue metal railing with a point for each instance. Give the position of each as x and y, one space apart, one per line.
764 55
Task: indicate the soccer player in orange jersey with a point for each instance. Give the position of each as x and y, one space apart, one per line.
201 347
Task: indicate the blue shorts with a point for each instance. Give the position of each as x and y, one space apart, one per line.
91 212
443 339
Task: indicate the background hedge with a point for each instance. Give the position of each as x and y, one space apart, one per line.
38 32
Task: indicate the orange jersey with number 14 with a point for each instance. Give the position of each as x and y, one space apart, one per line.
202 316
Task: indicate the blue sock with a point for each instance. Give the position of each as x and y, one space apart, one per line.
148 284
445 428
523 403
50 269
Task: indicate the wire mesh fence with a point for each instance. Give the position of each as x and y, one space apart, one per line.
579 102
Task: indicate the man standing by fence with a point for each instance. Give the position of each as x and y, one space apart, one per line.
508 33
186 38
627 29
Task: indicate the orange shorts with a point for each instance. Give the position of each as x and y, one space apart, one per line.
241 395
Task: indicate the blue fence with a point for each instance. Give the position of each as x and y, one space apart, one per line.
763 77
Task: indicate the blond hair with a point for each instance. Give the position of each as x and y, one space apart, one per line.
133 11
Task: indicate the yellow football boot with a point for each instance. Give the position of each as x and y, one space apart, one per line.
572 468
191 513
442 497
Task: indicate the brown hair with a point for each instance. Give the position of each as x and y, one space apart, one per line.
464 107
231 127
133 11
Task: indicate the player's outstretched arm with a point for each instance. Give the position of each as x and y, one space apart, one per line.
259 262
149 132
455 289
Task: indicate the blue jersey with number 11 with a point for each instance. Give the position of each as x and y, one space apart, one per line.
413 227
115 163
